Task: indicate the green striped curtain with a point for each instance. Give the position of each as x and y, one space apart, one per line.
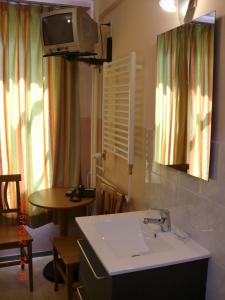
171 99
39 111
184 98
200 98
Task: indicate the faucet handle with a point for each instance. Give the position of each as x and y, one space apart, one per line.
165 215
165 218
164 212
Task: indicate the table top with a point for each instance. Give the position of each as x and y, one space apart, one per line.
54 198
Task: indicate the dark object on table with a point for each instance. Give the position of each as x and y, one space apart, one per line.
75 199
81 192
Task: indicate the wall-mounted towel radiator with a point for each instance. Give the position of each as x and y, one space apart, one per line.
119 82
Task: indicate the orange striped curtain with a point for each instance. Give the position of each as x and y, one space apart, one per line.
200 98
184 98
39 111
171 99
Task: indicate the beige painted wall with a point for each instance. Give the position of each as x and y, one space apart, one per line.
133 27
196 206
102 5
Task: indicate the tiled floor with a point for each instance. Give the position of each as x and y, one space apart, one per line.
11 288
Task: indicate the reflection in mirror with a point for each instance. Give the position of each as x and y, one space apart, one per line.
185 58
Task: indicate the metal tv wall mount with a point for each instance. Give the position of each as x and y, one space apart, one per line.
91 59
88 58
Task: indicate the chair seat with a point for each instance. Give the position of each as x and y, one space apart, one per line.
14 235
67 249
11 236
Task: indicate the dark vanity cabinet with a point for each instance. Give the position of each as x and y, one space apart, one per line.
184 281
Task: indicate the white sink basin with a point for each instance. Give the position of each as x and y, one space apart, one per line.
124 243
129 237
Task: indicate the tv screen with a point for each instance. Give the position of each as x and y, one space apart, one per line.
57 29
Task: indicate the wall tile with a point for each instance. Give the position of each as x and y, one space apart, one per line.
156 168
169 173
189 182
168 192
215 188
198 208
215 282
153 191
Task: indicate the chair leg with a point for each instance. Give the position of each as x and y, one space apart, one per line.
55 260
30 265
22 263
69 282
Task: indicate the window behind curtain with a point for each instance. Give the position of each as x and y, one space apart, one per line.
39 111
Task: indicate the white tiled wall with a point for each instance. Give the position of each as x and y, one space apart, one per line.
196 206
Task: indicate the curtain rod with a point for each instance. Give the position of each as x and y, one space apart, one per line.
34 3
24 2
51 5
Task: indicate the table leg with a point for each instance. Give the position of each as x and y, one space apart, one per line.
61 219
63 222
63 228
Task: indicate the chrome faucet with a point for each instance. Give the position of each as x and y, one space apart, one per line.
164 220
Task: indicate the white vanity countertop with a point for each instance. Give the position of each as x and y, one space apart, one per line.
124 244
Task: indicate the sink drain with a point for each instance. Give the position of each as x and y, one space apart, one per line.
134 255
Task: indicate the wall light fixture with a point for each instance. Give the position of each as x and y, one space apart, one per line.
186 8
168 5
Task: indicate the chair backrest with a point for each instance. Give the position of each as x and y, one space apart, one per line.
6 192
111 200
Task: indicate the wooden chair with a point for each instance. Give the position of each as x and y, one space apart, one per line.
66 257
65 249
14 235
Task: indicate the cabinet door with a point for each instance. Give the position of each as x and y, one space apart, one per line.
81 293
95 280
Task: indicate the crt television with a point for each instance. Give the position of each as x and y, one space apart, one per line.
68 30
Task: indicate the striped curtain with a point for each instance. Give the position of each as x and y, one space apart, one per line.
200 98
171 99
39 111
184 98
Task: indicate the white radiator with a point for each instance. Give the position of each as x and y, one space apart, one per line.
119 82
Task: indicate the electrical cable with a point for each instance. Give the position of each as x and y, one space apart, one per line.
101 38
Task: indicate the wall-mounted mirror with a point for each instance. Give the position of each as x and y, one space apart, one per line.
185 57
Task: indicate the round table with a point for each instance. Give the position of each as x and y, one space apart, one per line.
54 198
